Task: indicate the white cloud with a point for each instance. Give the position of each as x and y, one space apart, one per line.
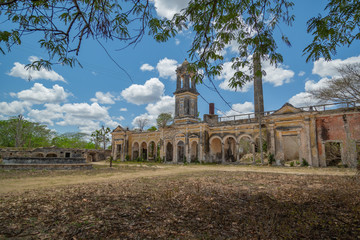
165 105
277 76
39 94
103 98
167 8
85 111
20 71
123 109
239 108
311 85
329 68
112 124
150 118
151 91
177 41
167 68
146 67
13 108
226 74
326 70
303 99
301 73
47 115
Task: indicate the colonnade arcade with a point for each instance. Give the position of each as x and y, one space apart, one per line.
181 149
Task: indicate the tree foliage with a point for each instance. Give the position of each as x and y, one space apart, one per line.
72 140
164 119
249 25
345 88
152 129
104 134
63 25
340 27
18 132
96 138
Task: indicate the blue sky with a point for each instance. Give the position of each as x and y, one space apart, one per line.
82 99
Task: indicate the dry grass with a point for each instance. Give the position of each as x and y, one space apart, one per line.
182 202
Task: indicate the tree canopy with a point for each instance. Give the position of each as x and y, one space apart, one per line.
164 119
72 140
18 132
248 25
64 25
339 27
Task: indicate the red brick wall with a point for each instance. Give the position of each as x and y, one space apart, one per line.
332 127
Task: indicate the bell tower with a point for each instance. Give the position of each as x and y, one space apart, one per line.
185 96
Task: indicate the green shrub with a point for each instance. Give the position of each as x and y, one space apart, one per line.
127 158
304 163
291 164
271 159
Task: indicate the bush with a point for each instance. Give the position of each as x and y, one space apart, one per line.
140 159
304 163
291 164
127 158
271 159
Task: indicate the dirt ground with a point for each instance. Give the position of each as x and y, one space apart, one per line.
149 201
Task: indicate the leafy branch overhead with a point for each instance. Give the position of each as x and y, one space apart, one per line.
65 24
248 25
340 27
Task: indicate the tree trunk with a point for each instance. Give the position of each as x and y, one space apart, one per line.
258 89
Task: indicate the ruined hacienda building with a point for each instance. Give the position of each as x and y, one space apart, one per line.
319 136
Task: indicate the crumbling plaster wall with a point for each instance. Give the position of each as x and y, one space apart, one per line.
342 127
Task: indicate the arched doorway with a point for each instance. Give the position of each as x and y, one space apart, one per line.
216 150
246 150
181 152
230 149
91 157
144 151
51 155
194 152
135 151
152 151
40 155
169 152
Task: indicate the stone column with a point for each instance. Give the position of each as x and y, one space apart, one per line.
237 146
201 142
175 156
193 86
349 146
313 143
272 139
178 82
186 81
222 152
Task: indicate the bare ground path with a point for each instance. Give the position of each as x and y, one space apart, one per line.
131 171
150 201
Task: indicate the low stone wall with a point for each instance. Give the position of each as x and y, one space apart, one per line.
46 166
34 160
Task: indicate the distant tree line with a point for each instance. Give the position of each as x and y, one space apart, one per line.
19 132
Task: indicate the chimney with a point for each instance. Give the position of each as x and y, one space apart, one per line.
211 108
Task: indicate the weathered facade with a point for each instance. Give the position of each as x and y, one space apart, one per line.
91 155
322 138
